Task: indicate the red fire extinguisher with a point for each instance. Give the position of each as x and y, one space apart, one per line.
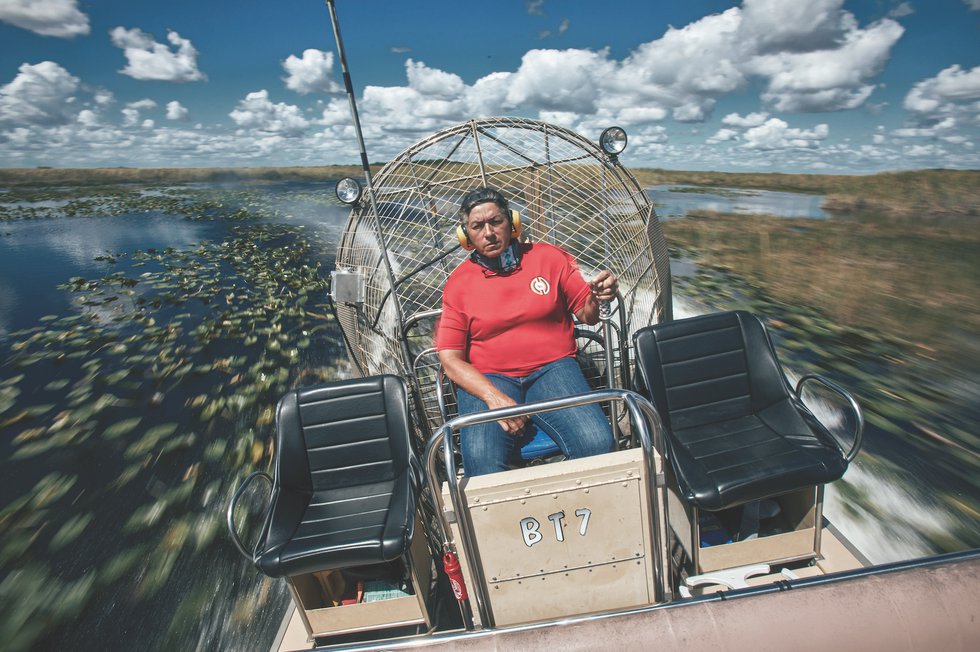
451 565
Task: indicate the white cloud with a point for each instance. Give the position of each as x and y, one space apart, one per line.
809 57
257 113
723 135
633 115
40 94
828 80
906 9
941 95
131 111
145 103
104 97
433 82
60 18
777 25
313 73
972 4
925 151
932 131
561 118
684 70
149 60
176 111
487 95
337 112
750 120
88 118
777 134
805 57
558 80
404 109
130 117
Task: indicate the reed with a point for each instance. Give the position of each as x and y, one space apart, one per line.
915 281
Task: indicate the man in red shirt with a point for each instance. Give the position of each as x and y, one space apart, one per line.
506 336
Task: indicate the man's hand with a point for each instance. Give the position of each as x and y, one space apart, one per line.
604 286
514 426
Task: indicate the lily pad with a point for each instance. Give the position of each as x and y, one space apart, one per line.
121 428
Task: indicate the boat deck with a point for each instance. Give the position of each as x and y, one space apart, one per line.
638 626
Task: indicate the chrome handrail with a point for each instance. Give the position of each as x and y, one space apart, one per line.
855 409
229 516
644 414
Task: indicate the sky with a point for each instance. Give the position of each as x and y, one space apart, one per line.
811 86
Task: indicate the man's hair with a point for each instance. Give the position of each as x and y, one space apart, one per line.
481 196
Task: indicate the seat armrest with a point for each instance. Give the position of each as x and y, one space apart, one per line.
231 512
852 403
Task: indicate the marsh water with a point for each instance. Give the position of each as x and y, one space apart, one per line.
675 201
145 335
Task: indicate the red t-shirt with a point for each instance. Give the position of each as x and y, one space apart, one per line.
515 324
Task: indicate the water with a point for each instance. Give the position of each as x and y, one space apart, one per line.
186 312
141 352
673 201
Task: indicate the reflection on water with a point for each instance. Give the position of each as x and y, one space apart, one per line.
672 201
38 255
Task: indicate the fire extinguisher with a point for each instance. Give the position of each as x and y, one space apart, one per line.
451 565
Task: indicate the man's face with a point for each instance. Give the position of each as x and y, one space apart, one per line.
489 230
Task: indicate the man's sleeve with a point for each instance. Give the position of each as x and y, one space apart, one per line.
452 328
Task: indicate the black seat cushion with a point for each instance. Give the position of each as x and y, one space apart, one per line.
735 430
344 491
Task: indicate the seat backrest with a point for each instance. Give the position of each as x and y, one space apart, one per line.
343 433
709 368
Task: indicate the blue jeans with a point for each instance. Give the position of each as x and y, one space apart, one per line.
579 431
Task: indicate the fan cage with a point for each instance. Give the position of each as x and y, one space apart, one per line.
568 192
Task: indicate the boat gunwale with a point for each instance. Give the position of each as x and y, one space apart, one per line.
426 639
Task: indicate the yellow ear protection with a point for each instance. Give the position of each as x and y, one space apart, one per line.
515 226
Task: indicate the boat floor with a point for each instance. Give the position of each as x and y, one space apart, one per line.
836 556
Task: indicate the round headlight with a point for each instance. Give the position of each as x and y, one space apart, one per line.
613 140
348 190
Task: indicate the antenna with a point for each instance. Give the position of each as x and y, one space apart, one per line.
364 158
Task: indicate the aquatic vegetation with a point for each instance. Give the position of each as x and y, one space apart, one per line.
157 392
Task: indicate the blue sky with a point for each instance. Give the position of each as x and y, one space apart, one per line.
828 86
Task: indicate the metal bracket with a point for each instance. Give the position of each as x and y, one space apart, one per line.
346 286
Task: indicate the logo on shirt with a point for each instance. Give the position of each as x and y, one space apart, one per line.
540 285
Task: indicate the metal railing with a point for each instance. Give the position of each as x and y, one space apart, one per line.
648 427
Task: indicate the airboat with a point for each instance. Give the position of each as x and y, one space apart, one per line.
704 529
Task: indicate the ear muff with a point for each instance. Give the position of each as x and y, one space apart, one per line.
516 228
464 240
515 223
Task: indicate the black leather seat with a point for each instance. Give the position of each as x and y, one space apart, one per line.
346 480
736 430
